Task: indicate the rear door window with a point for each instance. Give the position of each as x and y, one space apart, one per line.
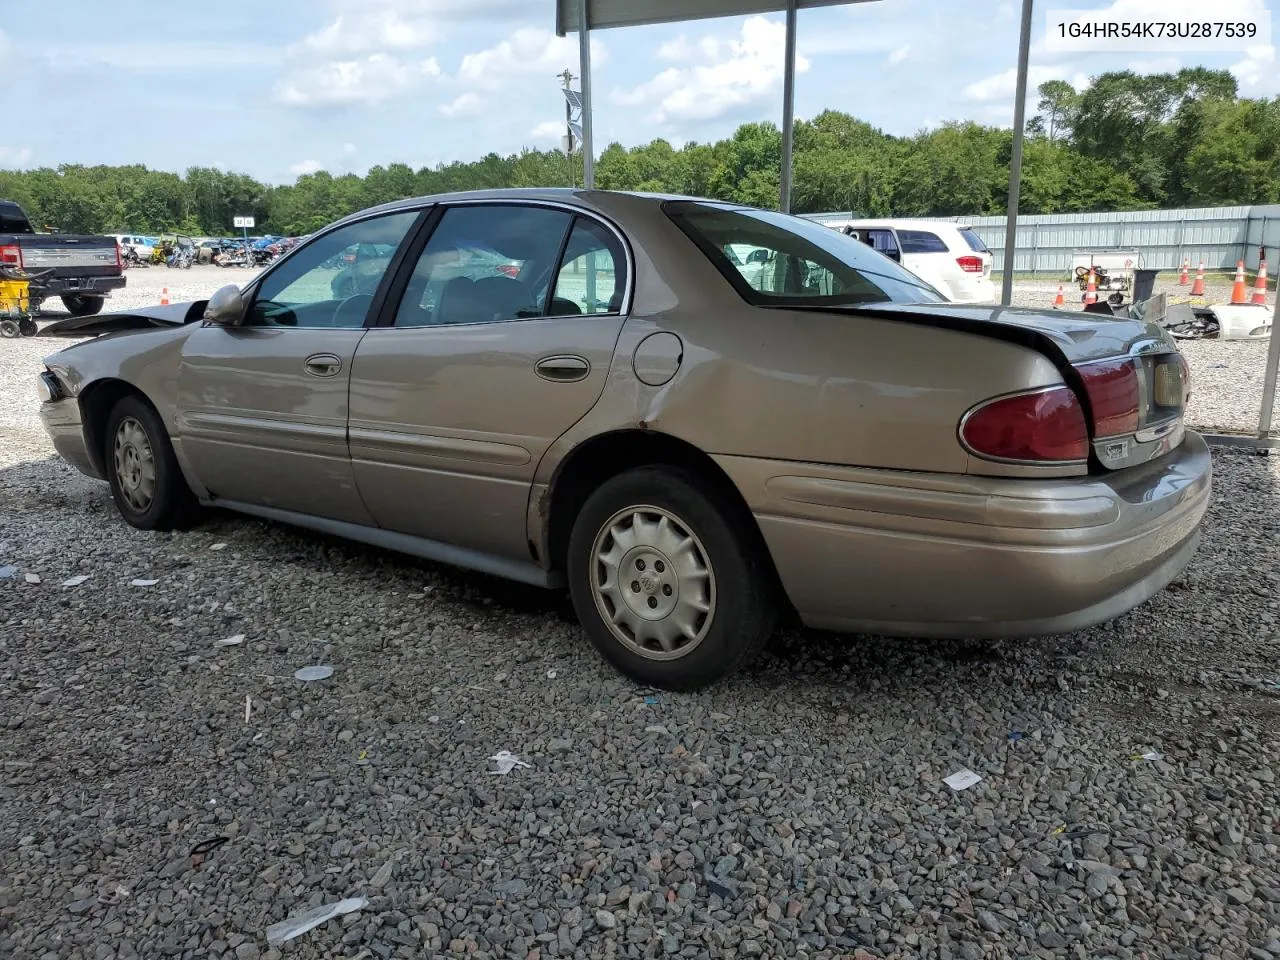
487 263
921 241
883 241
592 277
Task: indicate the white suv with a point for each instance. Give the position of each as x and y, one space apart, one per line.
947 255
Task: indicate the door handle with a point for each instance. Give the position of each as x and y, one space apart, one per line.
562 369
323 364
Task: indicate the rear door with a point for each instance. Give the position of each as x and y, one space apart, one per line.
263 406
487 360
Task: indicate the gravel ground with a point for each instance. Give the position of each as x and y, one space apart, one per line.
797 810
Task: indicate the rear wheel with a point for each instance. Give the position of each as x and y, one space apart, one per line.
146 483
671 590
80 306
9 329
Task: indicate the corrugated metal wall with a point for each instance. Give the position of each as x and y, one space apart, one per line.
1219 236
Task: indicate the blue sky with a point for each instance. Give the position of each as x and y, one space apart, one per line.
282 87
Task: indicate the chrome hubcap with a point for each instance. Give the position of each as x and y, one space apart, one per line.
135 464
653 583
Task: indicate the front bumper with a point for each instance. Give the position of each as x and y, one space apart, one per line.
955 556
76 287
62 421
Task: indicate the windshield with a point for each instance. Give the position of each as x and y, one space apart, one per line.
776 260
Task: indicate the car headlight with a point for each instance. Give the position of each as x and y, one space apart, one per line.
48 388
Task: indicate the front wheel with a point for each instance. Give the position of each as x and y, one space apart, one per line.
146 482
79 306
674 592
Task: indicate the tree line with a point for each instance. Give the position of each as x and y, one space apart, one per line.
1125 142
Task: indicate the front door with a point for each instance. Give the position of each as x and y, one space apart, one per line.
502 341
263 406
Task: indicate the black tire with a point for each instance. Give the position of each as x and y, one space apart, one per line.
9 329
27 327
171 503
743 608
79 306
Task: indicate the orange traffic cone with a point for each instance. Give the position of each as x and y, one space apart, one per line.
164 297
1091 289
1183 279
1059 300
1238 293
1260 285
1197 290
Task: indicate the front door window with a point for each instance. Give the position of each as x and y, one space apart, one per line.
330 282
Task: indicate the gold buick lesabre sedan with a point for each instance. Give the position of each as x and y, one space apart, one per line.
694 415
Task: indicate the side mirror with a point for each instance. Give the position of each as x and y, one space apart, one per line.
225 307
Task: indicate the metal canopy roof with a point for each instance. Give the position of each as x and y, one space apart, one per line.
583 16
636 13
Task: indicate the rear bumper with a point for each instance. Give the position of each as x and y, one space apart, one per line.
62 422
76 286
976 290
950 556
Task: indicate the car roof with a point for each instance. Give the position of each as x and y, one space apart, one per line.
575 196
905 222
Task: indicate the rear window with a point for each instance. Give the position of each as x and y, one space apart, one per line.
921 241
974 241
12 219
775 260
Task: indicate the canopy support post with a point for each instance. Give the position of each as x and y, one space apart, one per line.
1015 161
788 109
588 146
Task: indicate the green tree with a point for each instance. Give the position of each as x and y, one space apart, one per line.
1057 105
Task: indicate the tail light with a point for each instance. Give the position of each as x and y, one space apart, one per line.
1114 396
970 264
1134 393
12 255
1043 426
119 258
1143 395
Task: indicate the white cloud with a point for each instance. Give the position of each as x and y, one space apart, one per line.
900 54
528 50
1001 86
1155 65
348 149
677 49
13 157
383 26
466 105
370 31
305 167
1257 70
551 130
735 72
366 81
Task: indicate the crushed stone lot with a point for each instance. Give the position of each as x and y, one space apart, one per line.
1127 806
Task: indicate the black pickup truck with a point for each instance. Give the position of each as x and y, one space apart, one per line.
81 270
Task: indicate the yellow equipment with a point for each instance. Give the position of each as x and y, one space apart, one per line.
15 304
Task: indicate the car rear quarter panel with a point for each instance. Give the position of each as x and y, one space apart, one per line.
789 387
833 387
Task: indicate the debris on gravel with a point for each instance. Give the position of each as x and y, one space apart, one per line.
797 810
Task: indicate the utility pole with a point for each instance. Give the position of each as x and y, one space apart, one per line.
568 79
